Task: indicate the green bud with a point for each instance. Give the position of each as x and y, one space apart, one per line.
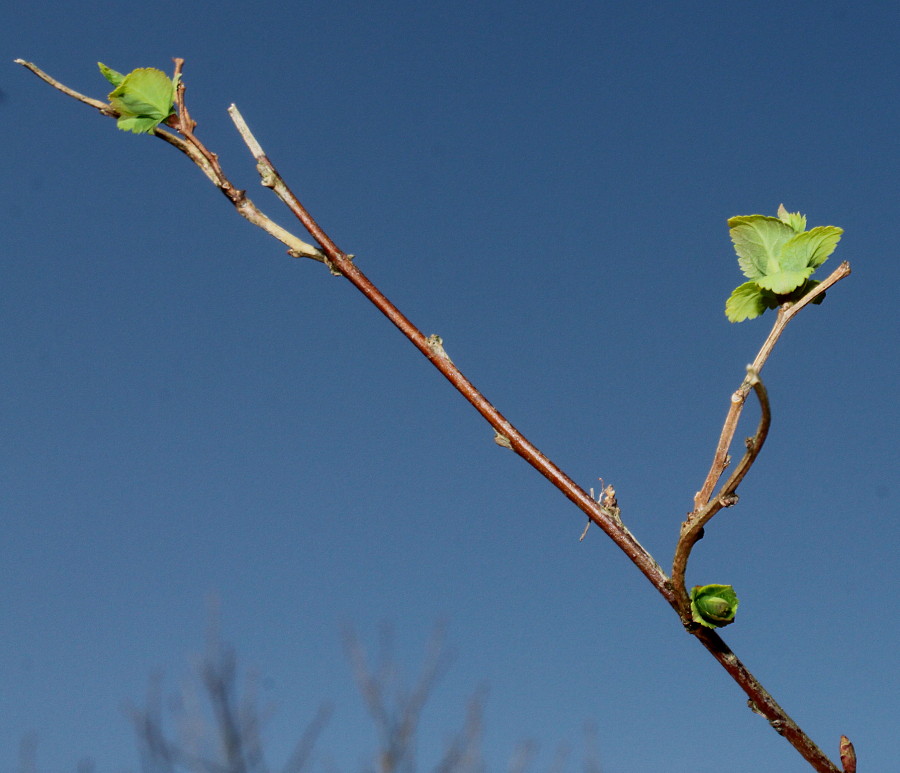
713 605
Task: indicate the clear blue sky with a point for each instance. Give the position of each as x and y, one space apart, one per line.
188 413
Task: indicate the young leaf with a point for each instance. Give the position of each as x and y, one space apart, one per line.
779 256
812 248
111 75
143 98
748 301
783 282
713 606
794 219
758 240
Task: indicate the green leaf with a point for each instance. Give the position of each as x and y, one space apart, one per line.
139 124
800 256
783 282
748 301
779 256
713 606
794 219
143 99
758 240
111 75
811 248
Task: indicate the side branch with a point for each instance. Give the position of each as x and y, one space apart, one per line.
206 161
431 347
95 103
785 314
692 528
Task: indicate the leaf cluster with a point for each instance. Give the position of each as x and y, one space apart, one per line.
143 99
778 255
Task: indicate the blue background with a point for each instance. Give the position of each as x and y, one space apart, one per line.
188 414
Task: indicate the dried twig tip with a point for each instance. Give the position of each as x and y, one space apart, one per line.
249 140
848 755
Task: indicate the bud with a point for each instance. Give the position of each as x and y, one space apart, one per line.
713 606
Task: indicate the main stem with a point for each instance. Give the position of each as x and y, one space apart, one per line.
517 441
759 698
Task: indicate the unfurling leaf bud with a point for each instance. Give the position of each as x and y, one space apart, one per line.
713 606
143 99
777 255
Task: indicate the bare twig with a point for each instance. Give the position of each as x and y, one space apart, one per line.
785 314
219 680
303 750
233 744
395 711
340 261
761 702
28 753
727 496
95 103
523 756
464 753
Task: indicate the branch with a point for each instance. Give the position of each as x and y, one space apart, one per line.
785 314
432 348
395 710
506 434
761 702
692 528
759 699
340 262
203 158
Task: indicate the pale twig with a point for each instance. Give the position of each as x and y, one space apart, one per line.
785 314
692 528
95 103
271 179
203 158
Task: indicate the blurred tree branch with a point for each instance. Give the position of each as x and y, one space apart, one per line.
232 743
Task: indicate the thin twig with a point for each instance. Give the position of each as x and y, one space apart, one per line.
271 179
203 158
396 711
761 702
692 528
304 748
95 103
785 314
